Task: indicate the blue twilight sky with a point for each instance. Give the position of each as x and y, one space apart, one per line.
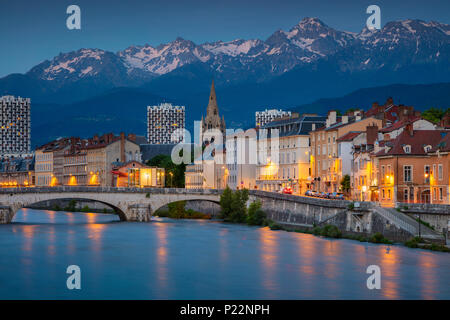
32 31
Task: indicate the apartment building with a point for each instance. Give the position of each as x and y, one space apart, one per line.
17 172
102 152
44 167
363 179
241 159
15 127
284 157
328 161
194 176
440 171
162 122
409 170
269 115
207 173
74 161
392 131
75 166
391 113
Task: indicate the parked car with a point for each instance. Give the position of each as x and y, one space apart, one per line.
337 196
287 190
309 193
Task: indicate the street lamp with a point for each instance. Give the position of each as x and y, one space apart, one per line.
171 177
363 194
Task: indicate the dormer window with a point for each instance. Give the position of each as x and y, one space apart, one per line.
427 148
407 148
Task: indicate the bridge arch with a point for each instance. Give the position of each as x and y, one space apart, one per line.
131 204
117 211
189 203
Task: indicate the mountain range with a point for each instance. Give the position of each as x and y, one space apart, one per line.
311 61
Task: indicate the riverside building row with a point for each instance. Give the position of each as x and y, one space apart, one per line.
387 154
106 160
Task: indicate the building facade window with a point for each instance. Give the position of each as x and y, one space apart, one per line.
407 173
427 174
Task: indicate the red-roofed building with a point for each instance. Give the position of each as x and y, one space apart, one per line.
392 131
445 121
391 113
136 174
76 161
440 171
331 149
406 166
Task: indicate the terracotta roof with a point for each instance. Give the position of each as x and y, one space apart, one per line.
349 136
399 124
417 142
443 145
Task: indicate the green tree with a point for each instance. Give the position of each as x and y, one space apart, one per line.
177 209
239 206
234 205
345 183
349 110
174 172
256 216
225 203
434 114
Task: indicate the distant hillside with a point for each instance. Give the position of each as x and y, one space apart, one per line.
422 96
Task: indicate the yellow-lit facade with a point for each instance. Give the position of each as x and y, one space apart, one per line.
289 168
43 168
146 177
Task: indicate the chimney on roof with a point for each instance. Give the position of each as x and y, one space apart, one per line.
313 127
122 147
409 128
344 119
332 117
371 134
109 138
132 137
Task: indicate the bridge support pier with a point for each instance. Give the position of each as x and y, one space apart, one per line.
6 214
138 213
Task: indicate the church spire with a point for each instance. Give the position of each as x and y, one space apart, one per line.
213 108
212 119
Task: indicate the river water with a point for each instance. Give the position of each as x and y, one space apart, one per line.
186 259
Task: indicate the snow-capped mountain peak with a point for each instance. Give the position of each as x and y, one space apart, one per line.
308 42
81 63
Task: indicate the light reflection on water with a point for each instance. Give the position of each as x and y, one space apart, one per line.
269 259
161 258
170 259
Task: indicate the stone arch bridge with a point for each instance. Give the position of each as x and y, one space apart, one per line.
138 204
131 204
